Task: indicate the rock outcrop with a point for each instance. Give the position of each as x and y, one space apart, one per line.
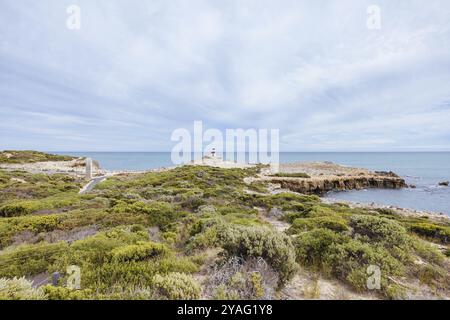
326 176
320 185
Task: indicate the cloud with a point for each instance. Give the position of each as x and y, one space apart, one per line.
138 70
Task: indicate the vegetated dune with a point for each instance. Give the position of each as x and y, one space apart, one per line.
207 232
38 162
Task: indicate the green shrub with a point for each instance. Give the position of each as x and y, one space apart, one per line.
334 223
447 252
159 213
274 247
291 175
60 293
435 277
27 260
138 252
180 264
170 237
387 232
428 252
239 279
19 289
177 286
25 207
313 247
37 223
345 258
103 277
432 231
205 239
28 156
97 249
349 261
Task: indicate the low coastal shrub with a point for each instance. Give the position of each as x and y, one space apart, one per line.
313 247
158 213
28 156
30 259
23 186
347 259
434 276
447 253
286 201
9 227
334 223
138 252
19 289
428 252
292 175
387 232
176 286
432 231
237 278
207 238
61 293
97 249
274 247
25 207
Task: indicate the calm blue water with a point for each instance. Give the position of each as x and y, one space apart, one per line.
424 169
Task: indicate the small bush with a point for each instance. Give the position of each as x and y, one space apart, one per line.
349 261
26 207
159 213
138 252
237 278
346 258
38 223
32 224
447 253
60 293
29 156
435 277
428 252
334 223
432 231
97 249
381 230
177 286
313 247
19 289
27 260
274 247
292 175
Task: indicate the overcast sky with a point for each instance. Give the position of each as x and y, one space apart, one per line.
137 70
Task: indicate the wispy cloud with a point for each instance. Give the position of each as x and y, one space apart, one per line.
139 69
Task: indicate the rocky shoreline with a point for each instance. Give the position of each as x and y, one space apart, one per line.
407 212
322 177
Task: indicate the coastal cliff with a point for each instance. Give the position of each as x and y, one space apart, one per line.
323 185
321 177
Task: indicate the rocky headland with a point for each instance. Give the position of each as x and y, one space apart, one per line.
321 177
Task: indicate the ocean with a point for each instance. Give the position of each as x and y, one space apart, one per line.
423 169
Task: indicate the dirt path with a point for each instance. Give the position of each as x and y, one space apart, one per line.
91 184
